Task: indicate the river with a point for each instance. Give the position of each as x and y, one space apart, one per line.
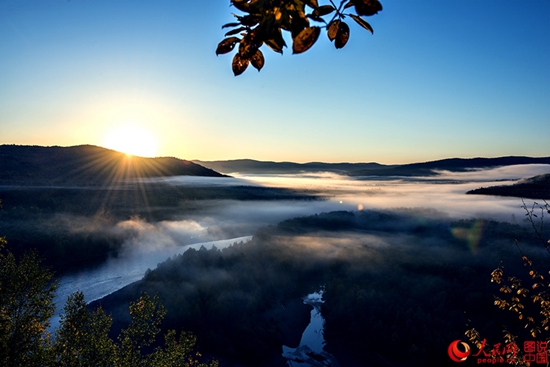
310 352
118 272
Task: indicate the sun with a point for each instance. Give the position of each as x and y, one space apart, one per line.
132 140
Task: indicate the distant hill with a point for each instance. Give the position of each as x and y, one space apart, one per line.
368 169
537 187
450 164
85 165
266 167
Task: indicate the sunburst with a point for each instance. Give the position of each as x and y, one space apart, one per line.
132 140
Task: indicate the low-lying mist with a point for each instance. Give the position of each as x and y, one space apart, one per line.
444 192
397 284
416 253
422 229
201 209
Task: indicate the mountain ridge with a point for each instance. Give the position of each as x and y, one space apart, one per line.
428 168
94 165
86 165
255 166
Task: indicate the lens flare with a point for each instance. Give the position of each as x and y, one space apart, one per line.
471 235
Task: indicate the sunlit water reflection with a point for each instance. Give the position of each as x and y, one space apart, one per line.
310 352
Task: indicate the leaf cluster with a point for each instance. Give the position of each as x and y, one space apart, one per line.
527 297
516 294
529 300
263 23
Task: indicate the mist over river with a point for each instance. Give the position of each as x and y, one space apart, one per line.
221 223
118 272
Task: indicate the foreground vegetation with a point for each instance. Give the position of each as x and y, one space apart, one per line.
82 339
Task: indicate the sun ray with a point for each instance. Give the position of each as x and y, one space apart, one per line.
115 178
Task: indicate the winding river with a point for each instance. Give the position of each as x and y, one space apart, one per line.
310 352
118 272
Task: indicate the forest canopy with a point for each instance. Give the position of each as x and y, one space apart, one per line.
416 273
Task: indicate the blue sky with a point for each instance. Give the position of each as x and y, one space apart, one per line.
438 79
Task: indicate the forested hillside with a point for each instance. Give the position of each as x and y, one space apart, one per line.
537 188
85 165
398 287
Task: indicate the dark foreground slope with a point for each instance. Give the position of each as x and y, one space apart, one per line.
85 165
537 187
398 288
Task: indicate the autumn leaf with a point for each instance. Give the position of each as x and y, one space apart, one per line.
367 7
235 31
226 45
342 35
242 5
332 29
312 3
323 10
362 23
258 60
228 25
239 64
248 48
305 39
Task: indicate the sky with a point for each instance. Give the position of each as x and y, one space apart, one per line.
437 79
